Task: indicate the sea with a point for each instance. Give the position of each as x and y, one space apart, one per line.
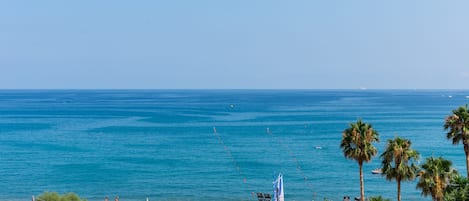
210 145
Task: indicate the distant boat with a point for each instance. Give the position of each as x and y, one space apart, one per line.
450 96
377 171
318 147
467 96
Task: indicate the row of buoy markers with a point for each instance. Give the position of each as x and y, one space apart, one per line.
298 166
290 152
230 154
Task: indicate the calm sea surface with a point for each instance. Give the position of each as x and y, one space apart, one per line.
161 143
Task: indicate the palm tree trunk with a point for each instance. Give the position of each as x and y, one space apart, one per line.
466 151
362 187
438 189
398 189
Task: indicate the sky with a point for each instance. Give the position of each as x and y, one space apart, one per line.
238 44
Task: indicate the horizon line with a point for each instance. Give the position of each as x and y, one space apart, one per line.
228 89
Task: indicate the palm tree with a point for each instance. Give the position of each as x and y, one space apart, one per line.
457 126
458 189
357 145
54 196
395 161
379 198
435 177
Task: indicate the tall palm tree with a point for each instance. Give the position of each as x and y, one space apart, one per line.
395 162
357 145
457 126
435 177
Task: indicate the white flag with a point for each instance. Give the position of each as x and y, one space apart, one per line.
278 189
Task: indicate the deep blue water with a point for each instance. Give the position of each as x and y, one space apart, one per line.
161 143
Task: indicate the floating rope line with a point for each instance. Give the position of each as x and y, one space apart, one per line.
233 160
295 159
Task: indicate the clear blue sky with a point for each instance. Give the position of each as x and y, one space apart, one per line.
303 44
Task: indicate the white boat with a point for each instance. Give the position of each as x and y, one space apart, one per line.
377 171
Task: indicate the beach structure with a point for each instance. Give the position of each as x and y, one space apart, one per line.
267 197
264 197
260 196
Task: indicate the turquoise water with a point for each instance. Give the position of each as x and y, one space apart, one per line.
161 143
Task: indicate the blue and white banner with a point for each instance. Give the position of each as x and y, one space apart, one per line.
278 189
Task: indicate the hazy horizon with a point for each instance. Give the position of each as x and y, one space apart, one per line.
219 89
212 44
